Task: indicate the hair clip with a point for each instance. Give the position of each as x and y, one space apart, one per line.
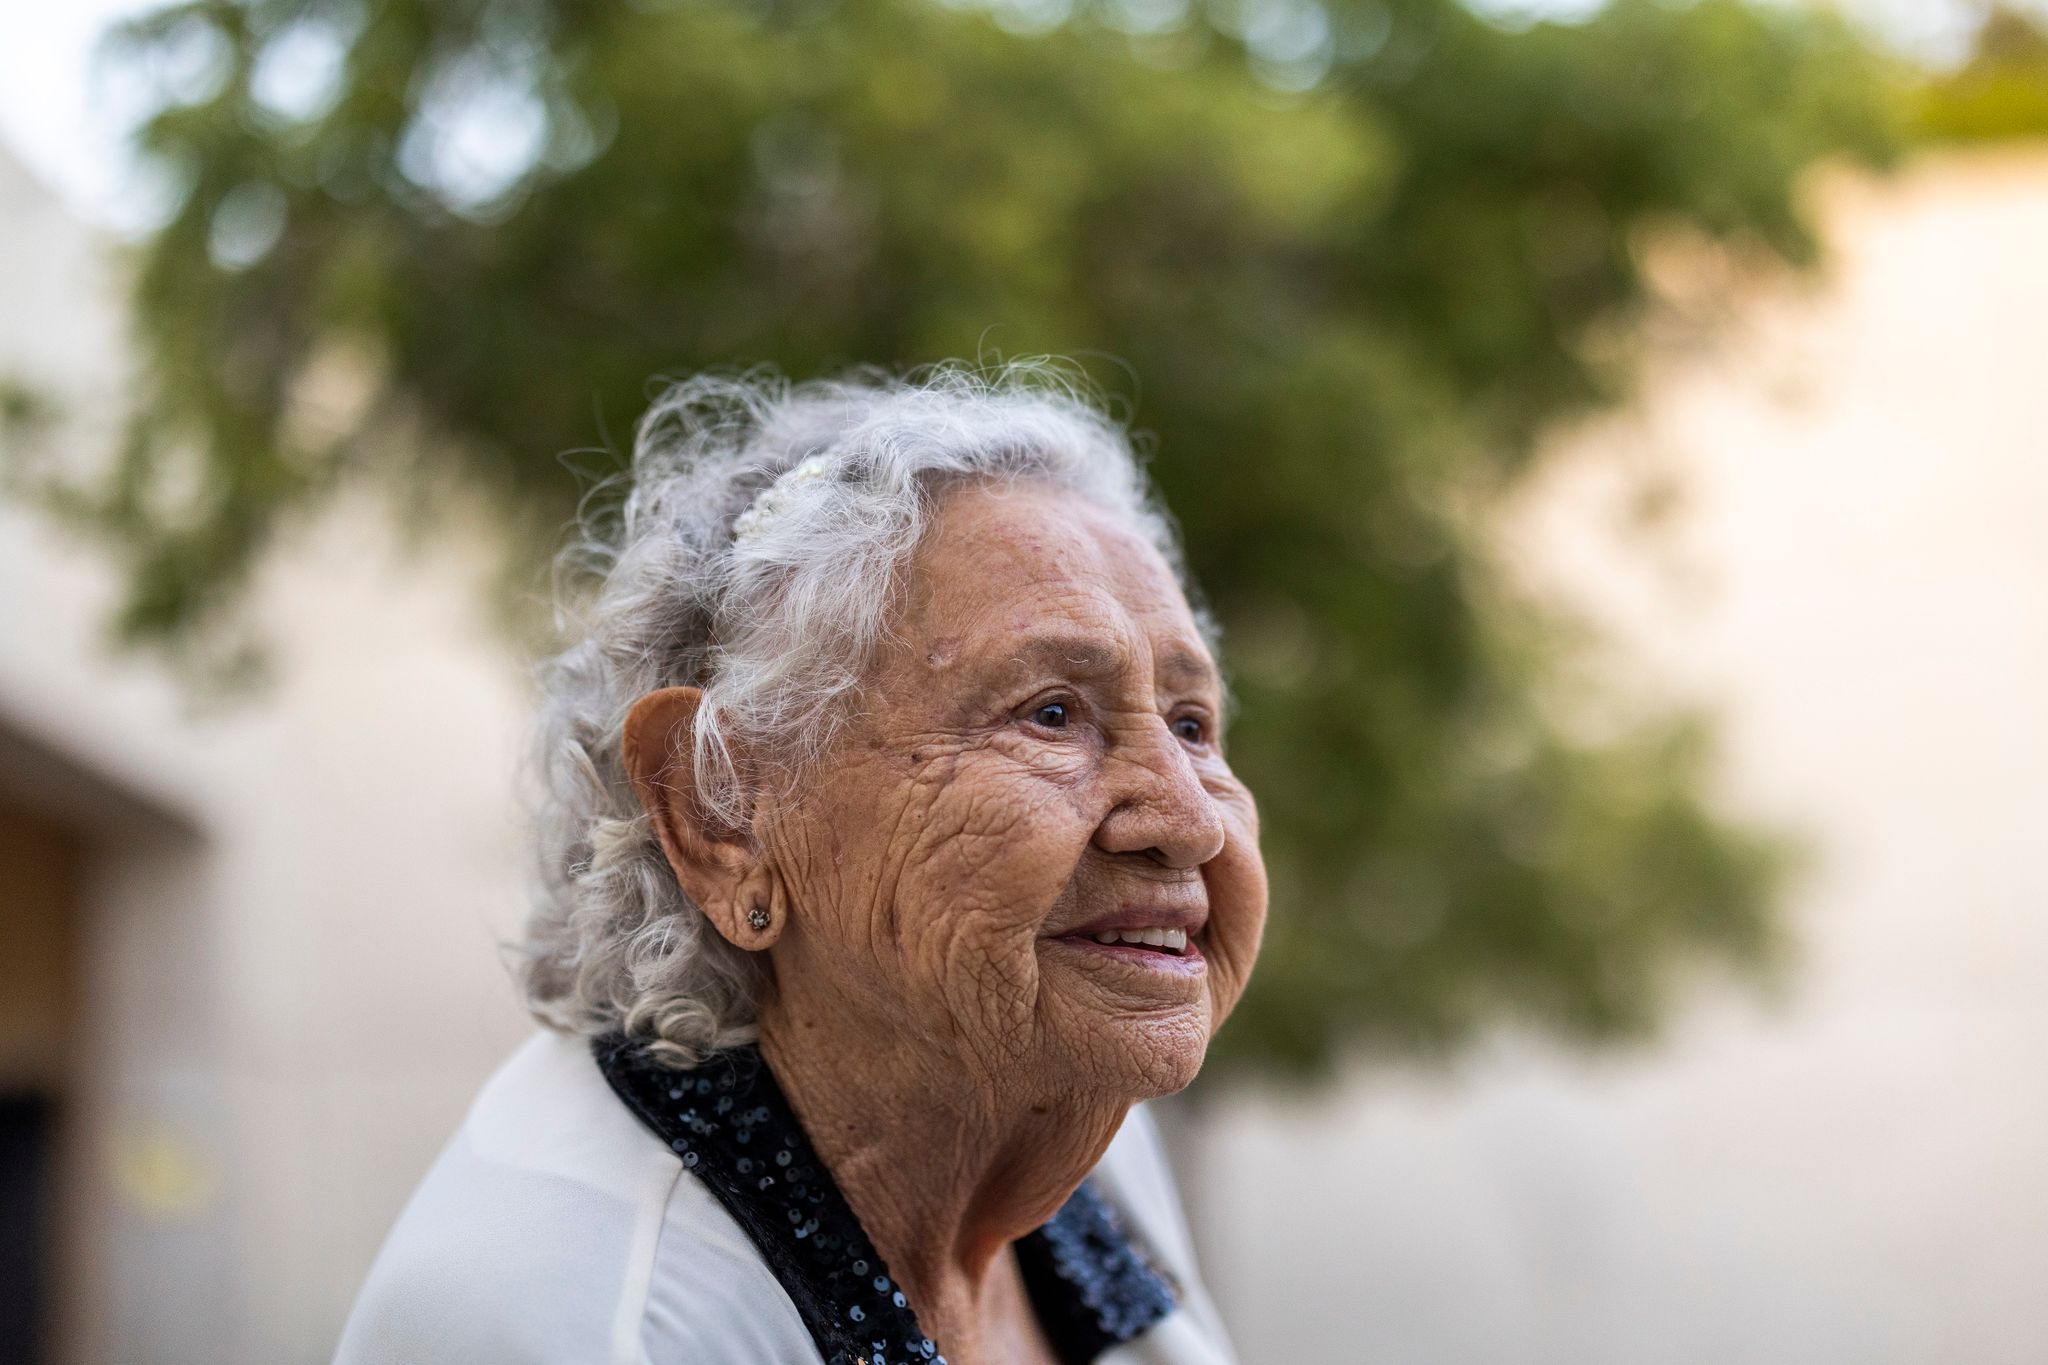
774 500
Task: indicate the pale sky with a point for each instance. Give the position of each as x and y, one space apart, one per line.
69 128
50 115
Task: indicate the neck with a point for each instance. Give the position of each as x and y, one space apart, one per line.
944 1165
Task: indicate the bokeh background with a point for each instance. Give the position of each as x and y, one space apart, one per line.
1613 436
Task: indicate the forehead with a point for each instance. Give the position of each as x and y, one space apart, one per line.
998 562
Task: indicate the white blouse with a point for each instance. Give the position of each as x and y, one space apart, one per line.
556 1227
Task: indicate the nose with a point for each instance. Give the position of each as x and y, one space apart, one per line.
1159 807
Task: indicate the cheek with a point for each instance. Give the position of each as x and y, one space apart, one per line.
999 847
999 853
1236 880
991 847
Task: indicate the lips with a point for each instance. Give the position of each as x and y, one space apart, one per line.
1144 932
1174 941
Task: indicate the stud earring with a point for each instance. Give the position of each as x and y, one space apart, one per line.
757 918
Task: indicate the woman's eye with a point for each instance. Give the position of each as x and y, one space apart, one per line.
1191 729
1052 715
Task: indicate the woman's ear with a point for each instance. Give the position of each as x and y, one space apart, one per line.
716 864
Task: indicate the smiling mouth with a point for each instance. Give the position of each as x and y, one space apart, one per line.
1173 942
1176 952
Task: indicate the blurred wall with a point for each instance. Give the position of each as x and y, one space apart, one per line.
1857 578
287 987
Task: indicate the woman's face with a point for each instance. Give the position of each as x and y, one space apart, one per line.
1035 764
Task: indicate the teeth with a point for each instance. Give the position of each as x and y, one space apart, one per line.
1174 940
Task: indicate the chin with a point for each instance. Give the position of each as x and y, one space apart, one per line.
1154 1054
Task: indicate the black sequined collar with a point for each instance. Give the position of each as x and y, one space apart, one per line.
1090 1285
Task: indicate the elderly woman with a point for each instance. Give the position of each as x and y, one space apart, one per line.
891 858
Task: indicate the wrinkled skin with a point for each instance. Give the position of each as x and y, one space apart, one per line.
1035 748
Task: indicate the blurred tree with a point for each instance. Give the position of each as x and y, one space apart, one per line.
1356 254
2001 92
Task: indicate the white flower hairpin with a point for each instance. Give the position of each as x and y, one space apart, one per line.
775 499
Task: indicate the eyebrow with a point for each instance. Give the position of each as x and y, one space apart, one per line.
1090 656
1184 668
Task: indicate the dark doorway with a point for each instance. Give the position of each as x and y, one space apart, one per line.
27 1158
39 860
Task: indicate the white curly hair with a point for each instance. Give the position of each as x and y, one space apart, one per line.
755 554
